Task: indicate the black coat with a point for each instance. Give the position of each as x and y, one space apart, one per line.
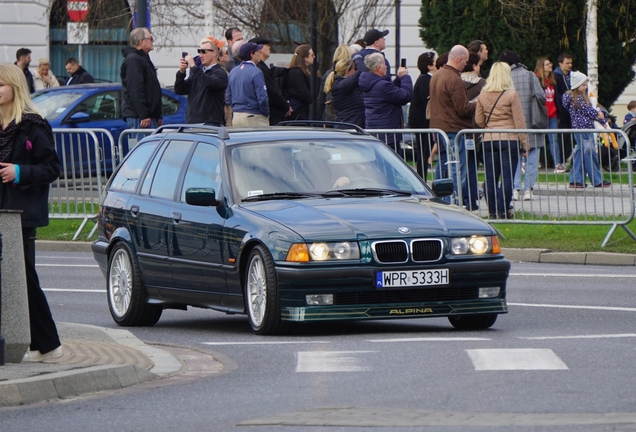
39 167
206 94
81 76
417 112
140 86
299 93
278 105
347 101
559 90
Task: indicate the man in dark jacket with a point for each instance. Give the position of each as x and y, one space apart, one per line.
205 86
141 107
279 108
562 77
76 73
23 60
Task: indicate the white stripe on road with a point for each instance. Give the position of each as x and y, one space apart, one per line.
264 343
600 336
432 339
330 361
516 359
608 308
583 275
67 265
73 290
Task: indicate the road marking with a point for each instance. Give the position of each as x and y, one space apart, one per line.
432 339
73 290
330 361
583 275
600 336
608 308
67 265
516 359
265 343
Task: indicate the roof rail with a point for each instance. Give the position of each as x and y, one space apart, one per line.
221 131
323 123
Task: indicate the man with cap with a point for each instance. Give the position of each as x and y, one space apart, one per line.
279 108
205 85
375 42
246 92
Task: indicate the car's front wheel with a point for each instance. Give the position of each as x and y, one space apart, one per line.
125 291
262 296
473 322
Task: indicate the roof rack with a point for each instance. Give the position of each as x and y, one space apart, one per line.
221 131
322 124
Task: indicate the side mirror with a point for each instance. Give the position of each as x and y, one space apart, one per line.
443 187
202 197
78 117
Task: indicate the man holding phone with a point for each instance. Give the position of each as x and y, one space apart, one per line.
206 84
376 42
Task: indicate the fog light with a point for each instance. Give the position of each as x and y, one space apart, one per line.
319 299
489 292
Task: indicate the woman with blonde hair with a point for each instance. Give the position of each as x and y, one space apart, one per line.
499 107
346 96
28 164
297 86
43 77
325 108
543 70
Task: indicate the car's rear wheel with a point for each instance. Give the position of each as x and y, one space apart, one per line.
473 322
125 291
262 296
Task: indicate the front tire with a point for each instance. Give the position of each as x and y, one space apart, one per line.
473 322
262 298
125 291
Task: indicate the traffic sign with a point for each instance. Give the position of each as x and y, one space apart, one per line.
77 9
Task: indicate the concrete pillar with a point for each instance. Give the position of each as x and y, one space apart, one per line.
15 303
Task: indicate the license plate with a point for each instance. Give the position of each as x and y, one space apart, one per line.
411 278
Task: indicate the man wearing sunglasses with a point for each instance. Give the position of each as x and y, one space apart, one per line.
205 85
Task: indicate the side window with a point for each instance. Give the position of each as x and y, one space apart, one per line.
100 107
204 170
169 106
168 170
127 176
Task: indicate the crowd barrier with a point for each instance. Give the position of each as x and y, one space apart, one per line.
128 139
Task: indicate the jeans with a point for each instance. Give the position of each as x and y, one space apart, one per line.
442 168
500 160
532 170
555 147
585 160
133 123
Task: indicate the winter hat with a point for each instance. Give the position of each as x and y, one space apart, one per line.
577 79
510 57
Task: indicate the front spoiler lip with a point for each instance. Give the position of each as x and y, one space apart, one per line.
394 311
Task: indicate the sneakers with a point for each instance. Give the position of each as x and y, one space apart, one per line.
37 356
515 195
527 195
605 184
559 169
577 186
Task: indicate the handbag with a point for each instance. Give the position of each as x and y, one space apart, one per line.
538 114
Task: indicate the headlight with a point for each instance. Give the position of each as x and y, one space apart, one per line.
476 245
322 251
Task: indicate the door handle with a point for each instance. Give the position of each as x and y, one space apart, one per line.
134 211
176 217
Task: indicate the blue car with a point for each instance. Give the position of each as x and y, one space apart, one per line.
94 106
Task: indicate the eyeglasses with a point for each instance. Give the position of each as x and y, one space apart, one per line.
151 38
203 50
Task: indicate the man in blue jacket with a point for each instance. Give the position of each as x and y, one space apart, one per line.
246 91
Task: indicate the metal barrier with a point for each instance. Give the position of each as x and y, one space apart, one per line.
128 139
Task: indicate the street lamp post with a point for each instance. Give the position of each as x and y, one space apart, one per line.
314 67
398 24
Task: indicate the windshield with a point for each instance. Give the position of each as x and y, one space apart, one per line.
317 167
53 104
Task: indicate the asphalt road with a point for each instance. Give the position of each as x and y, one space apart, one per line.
562 359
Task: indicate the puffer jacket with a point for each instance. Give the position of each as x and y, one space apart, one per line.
347 101
383 99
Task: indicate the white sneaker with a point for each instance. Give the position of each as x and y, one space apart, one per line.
527 196
37 356
515 195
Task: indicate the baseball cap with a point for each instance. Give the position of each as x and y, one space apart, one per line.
260 41
247 49
373 35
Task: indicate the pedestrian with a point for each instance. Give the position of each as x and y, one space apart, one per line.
346 97
28 164
499 107
543 70
583 115
297 86
478 47
232 35
375 42
452 111
384 99
246 91
76 73
205 86
141 106
631 112
417 113
279 107
325 108
527 85
562 78
23 60
43 77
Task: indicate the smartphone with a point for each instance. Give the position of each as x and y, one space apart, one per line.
184 54
197 61
403 63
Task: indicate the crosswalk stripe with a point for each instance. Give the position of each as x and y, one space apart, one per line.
330 361
515 359
265 343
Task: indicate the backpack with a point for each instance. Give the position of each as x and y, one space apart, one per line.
280 76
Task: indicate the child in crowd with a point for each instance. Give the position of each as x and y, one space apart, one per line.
631 115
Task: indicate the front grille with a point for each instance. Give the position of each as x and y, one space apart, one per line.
406 296
391 252
426 250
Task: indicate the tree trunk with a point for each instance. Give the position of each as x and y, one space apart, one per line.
591 37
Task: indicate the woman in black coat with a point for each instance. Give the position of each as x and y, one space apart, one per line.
28 164
417 112
297 85
346 96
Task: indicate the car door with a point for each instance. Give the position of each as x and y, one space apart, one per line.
197 250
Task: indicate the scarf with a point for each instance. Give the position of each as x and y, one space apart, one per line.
8 135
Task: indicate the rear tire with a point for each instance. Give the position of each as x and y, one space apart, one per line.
125 291
473 322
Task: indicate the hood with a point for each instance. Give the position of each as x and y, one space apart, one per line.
367 80
470 77
372 218
558 71
128 50
517 66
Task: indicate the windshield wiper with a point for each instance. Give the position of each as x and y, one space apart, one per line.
364 192
280 195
